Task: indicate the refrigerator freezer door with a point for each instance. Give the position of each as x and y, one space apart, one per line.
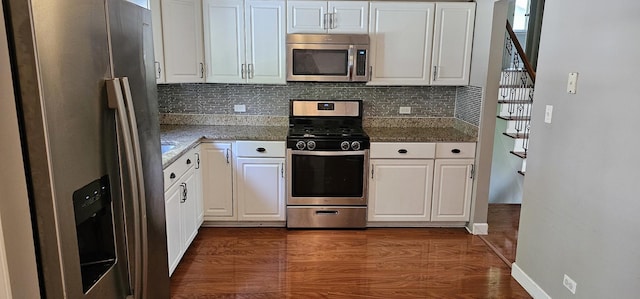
65 51
61 53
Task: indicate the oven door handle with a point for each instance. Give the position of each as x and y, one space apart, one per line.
329 153
327 212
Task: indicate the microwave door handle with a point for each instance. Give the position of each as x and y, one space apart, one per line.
325 21
350 65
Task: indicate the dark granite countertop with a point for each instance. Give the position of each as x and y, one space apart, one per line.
185 137
418 134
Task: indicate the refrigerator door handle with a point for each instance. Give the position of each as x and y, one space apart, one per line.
116 101
140 199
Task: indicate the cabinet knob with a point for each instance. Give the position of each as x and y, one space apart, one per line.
455 151
402 151
261 150
188 161
172 176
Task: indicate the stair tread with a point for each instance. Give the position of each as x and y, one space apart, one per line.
515 101
521 172
517 135
514 117
522 155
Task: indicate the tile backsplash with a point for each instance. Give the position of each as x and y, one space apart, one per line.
469 104
461 102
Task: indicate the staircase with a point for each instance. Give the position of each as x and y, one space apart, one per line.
516 95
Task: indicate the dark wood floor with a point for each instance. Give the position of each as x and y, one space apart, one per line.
503 220
372 263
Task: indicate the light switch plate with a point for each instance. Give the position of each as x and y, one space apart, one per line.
572 83
548 113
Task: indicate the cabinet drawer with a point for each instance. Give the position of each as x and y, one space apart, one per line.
178 168
274 149
407 150
456 150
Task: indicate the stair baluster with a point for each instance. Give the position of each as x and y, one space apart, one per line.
516 92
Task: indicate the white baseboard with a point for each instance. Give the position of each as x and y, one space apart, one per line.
527 283
479 229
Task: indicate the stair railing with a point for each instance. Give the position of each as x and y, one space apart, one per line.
517 86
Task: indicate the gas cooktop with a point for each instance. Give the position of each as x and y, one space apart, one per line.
326 125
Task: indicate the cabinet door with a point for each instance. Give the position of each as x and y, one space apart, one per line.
197 193
307 17
224 41
189 209
217 181
158 48
265 23
452 42
260 185
174 225
400 190
401 38
452 190
182 36
349 17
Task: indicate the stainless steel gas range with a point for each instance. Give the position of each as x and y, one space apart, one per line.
327 160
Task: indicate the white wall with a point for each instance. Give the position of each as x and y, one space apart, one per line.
18 276
486 64
506 184
581 206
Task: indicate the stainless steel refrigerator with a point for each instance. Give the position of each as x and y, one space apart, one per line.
85 91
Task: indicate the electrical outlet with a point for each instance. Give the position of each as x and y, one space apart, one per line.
405 110
569 284
239 108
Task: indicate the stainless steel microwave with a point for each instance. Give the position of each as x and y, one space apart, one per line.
328 57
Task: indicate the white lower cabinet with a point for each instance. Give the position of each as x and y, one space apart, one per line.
260 180
174 226
260 185
452 189
183 200
420 182
400 190
217 181
246 184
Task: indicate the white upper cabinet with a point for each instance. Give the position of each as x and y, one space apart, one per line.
182 37
328 17
244 41
421 43
452 42
158 47
401 34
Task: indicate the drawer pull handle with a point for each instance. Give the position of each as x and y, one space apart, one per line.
261 150
455 151
188 161
326 212
402 151
172 176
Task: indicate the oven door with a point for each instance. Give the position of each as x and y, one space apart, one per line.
317 62
327 177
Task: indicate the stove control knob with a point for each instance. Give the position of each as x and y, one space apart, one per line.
344 145
355 145
300 145
311 145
